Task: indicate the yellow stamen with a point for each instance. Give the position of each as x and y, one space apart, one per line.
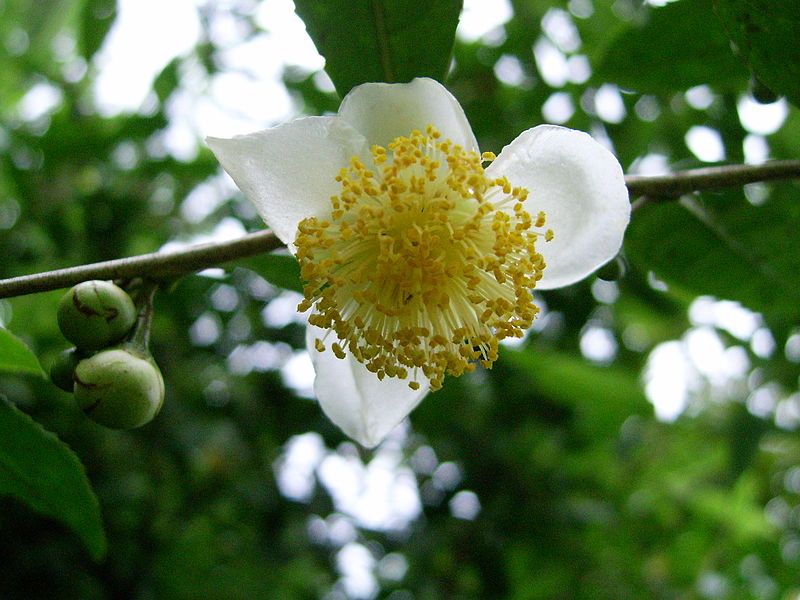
425 264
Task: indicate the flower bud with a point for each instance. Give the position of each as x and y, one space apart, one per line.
95 314
120 387
63 368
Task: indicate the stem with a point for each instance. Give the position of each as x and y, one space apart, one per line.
163 265
140 337
157 265
669 187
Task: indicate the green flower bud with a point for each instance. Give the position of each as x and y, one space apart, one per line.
63 368
120 387
95 314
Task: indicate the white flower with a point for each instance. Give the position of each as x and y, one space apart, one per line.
417 259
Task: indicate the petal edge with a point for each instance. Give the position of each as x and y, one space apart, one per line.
288 172
384 111
354 399
580 186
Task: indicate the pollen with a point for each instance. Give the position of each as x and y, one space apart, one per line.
425 263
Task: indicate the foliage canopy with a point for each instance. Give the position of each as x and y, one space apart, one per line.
550 476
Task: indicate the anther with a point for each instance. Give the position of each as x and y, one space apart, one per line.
416 269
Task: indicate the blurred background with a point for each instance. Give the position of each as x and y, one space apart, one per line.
641 442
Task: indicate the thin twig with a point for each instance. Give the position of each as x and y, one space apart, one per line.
674 185
157 265
163 265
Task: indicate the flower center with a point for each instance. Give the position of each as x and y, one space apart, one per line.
425 263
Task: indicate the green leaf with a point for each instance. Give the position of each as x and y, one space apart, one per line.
381 40
196 565
96 20
41 471
765 34
15 357
46 20
603 397
167 80
725 247
738 510
679 46
279 269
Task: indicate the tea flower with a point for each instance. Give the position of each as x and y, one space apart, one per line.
418 259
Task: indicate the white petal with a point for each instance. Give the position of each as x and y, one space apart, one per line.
354 399
288 172
384 111
580 187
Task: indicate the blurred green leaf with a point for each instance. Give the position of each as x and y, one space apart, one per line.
15 356
41 471
765 34
583 494
96 21
679 46
744 434
167 80
603 396
725 247
278 269
46 20
199 562
381 40
738 510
